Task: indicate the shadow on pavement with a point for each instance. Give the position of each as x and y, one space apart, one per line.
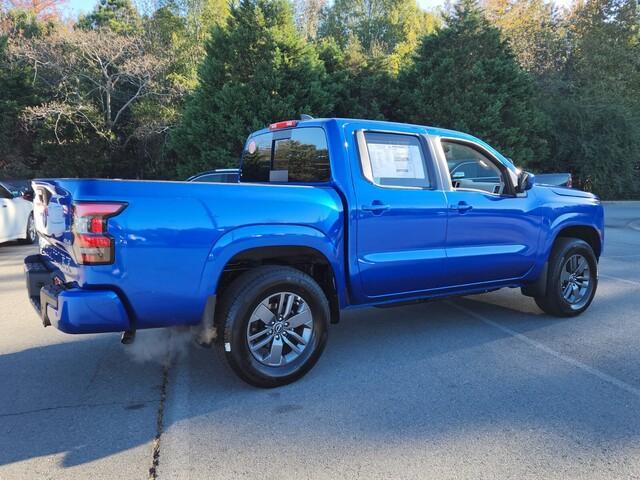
414 373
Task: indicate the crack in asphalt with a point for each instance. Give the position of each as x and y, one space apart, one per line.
77 405
155 448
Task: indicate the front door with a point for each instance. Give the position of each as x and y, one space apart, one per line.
401 215
492 233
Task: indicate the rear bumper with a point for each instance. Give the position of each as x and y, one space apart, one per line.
72 309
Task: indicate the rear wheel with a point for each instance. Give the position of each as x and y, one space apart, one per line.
274 322
31 234
572 279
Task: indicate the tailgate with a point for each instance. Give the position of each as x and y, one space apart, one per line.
73 232
53 218
51 209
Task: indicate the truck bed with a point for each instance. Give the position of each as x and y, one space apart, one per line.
171 229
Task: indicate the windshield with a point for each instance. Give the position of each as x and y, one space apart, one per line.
16 187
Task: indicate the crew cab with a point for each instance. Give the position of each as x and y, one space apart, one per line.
329 214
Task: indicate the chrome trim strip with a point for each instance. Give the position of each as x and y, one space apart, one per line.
365 161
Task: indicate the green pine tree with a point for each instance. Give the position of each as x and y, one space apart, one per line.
257 70
466 78
118 15
595 109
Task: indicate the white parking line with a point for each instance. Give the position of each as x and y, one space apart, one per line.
630 282
571 361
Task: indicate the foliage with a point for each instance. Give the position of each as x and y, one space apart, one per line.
119 16
17 92
183 27
39 9
379 26
534 30
597 138
168 87
308 14
258 69
465 77
596 109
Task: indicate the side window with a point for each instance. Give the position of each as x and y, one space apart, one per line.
4 193
471 170
218 178
396 160
214 177
256 160
296 155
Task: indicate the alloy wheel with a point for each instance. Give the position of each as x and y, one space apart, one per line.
280 329
575 280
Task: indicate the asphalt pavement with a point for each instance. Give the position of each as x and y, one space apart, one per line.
478 387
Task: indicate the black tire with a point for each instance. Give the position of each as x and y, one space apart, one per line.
239 302
554 302
30 235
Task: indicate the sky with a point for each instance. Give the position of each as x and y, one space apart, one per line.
77 7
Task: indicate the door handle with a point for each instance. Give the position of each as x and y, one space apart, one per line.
376 207
461 207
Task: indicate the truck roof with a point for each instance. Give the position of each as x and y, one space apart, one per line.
402 127
378 124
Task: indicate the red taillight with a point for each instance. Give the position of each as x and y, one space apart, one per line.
283 124
92 245
97 225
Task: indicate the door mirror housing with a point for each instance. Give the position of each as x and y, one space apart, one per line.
526 181
28 195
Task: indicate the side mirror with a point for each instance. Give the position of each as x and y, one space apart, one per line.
28 196
526 181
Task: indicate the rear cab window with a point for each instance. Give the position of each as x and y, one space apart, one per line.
296 155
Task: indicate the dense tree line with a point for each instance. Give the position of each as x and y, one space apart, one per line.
172 87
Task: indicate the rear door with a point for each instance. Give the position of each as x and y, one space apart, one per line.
401 214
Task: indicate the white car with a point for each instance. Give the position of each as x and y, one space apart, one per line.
16 212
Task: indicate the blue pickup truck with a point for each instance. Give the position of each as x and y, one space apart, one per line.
328 214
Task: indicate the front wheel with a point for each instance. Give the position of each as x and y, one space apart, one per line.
31 234
572 279
274 322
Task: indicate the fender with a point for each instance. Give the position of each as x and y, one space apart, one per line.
241 239
572 219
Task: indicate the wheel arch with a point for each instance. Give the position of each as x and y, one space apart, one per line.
585 232
581 231
301 247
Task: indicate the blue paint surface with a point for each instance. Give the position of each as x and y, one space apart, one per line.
174 239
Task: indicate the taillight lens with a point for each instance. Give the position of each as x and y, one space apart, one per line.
92 244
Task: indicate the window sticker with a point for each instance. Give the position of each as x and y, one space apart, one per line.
396 161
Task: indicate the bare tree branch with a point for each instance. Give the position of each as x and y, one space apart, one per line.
94 76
